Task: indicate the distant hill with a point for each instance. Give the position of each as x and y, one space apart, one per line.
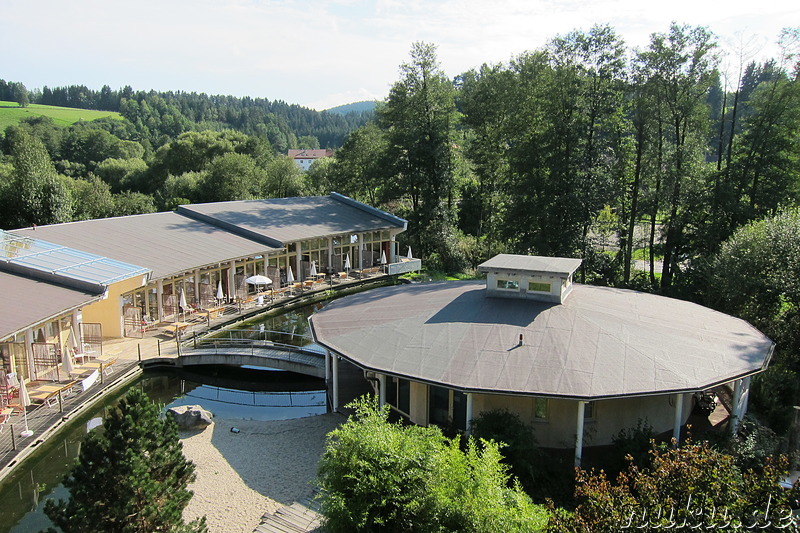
11 114
355 107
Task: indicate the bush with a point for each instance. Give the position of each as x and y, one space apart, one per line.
382 476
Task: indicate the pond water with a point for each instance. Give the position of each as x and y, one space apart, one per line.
228 392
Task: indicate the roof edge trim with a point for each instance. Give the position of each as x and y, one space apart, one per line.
369 209
52 277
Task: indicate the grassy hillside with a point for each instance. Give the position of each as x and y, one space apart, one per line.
11 114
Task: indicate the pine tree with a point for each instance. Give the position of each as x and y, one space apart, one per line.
130 477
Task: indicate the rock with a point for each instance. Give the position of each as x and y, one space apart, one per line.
191 416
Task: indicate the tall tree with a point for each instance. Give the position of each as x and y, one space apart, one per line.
682 65
130 477
419 116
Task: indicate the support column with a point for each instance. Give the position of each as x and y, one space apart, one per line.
160 299
579 433
330 252
361 250
745 397
381 390
335 396
676 429
232 281
327 367
29 354
197 287
392 248
733 426
468 425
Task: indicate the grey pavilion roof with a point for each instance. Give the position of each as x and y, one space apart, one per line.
601 343
29 302
531 263
278 221
167 243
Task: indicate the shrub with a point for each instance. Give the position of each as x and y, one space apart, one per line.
382 476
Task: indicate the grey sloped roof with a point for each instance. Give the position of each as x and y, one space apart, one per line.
282 220
601 343
531 263
167 243
28 302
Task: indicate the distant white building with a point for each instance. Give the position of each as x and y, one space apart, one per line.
304 158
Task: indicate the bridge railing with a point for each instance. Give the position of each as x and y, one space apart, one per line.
258 340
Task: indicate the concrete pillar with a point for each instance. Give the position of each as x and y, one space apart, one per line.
160 299
335 396
29 353
579 433
736 403
232 281
745 397
361 249
196 286
330 252
327 367
392 249
381 389
676 428
468 425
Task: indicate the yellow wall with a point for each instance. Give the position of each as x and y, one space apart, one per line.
108 311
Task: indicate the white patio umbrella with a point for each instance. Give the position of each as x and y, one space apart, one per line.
408 255
383 257
290 276
313 271
25 400
347 262
220 294
258 280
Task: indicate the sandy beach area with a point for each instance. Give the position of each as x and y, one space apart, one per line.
266 465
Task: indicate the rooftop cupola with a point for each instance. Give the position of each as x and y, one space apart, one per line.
547 279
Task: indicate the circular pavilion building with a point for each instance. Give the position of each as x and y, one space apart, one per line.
578 362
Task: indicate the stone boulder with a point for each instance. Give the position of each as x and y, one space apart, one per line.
191 417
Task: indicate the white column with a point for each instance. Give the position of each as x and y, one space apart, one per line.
382 389
160 299
29 353
676 429
77 318
335 398
392 249
733 426
745 397
327 367
232 281
330 252
361 251
196 286
468 425
579 433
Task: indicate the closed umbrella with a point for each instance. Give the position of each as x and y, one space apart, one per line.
66 359
25 400
182 303
220 294
313 271
408 255
347 262
290 276
383 257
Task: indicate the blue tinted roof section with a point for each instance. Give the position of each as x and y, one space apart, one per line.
52 262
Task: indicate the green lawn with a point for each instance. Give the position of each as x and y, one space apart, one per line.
11 114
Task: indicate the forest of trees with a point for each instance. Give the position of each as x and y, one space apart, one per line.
652 157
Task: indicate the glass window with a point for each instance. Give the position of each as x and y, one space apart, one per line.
507 284
538 286
404 395
540 409
588 411
438 406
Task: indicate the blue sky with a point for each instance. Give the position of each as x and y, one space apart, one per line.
323 53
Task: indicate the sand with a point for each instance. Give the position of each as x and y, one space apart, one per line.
241 476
